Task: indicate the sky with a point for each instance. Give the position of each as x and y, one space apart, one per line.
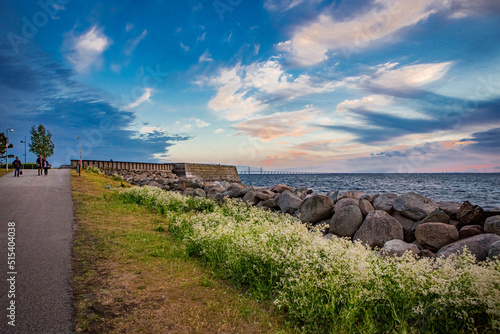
299 85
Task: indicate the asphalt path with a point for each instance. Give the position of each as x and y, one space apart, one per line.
40 209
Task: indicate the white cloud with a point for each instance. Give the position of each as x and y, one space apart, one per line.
129 27
206 56
200 123
202 37
243 91
132 44
219 131
116 68
311 43
184 47
144 98
86 50
371 102
284 5
281 124
409 76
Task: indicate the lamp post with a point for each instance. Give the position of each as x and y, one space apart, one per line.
24 149
7 148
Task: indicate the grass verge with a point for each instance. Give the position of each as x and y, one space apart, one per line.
4 172
130 276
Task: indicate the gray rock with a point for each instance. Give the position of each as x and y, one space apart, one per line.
334 195
433 236
279 188
494 250
436 216
492 225
369 198
271 203
378 228
470 214
399 247
188 192
469 231
356 194
451 208
288 202
330 236
264 195
407 223
235 190
251 198
315 209
346 221
154 184
478 245
385 202
198 192
427 253
414 206
345 202
365 206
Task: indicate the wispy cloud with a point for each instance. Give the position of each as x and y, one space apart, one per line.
143 98
132 44
206 56
284 5
86 49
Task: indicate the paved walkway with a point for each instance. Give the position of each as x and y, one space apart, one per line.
42 209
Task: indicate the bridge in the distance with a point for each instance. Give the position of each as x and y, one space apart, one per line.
275 172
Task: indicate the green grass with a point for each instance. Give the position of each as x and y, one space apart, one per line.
329 286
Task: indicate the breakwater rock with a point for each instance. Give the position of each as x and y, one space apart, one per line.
393 222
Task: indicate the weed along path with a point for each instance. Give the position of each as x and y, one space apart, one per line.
36 219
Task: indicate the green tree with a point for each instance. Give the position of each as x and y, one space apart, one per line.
3 144
41 141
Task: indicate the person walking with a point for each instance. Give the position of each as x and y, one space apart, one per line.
46 166
39 164
17 166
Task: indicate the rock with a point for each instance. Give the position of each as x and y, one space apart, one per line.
399 247
427 253
288 202
369 198
492 225
385 202
279 188
251 198
414 206
264 195
271 203
235 190
469 231
334 195
378 228
315 209
365 206
181 184
188 192
154 184
451 208
346 221
470 214
407 224
330 236
436 216
345 202
433 236
494 250
198 192
214 188
478 245
323 226
356 194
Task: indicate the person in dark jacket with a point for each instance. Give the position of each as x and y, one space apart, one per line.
17 166
46 166
39 164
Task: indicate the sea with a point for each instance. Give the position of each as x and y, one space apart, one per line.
481 189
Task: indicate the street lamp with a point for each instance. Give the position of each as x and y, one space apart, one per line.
24 150
7 148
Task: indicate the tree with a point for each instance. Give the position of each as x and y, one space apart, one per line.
3 144
41 141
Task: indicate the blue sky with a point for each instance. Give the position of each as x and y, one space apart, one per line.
332 86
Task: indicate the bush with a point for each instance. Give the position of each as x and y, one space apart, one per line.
332 286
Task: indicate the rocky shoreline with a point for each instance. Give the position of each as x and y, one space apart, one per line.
395 223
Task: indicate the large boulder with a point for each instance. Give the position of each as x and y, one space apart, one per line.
433 236
451 208
235 190
334 195
251 197
385 202
264 195
492 225
198 192
288 202
279 188
494 250
436 216
407 224
356 194
365 206
378 228
315 208
478 245
346 221
345 202
469 231
414 206
398 247
470 214
271 203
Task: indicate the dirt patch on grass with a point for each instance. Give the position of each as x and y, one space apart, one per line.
131 277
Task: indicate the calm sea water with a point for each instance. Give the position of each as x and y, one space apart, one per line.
481 188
